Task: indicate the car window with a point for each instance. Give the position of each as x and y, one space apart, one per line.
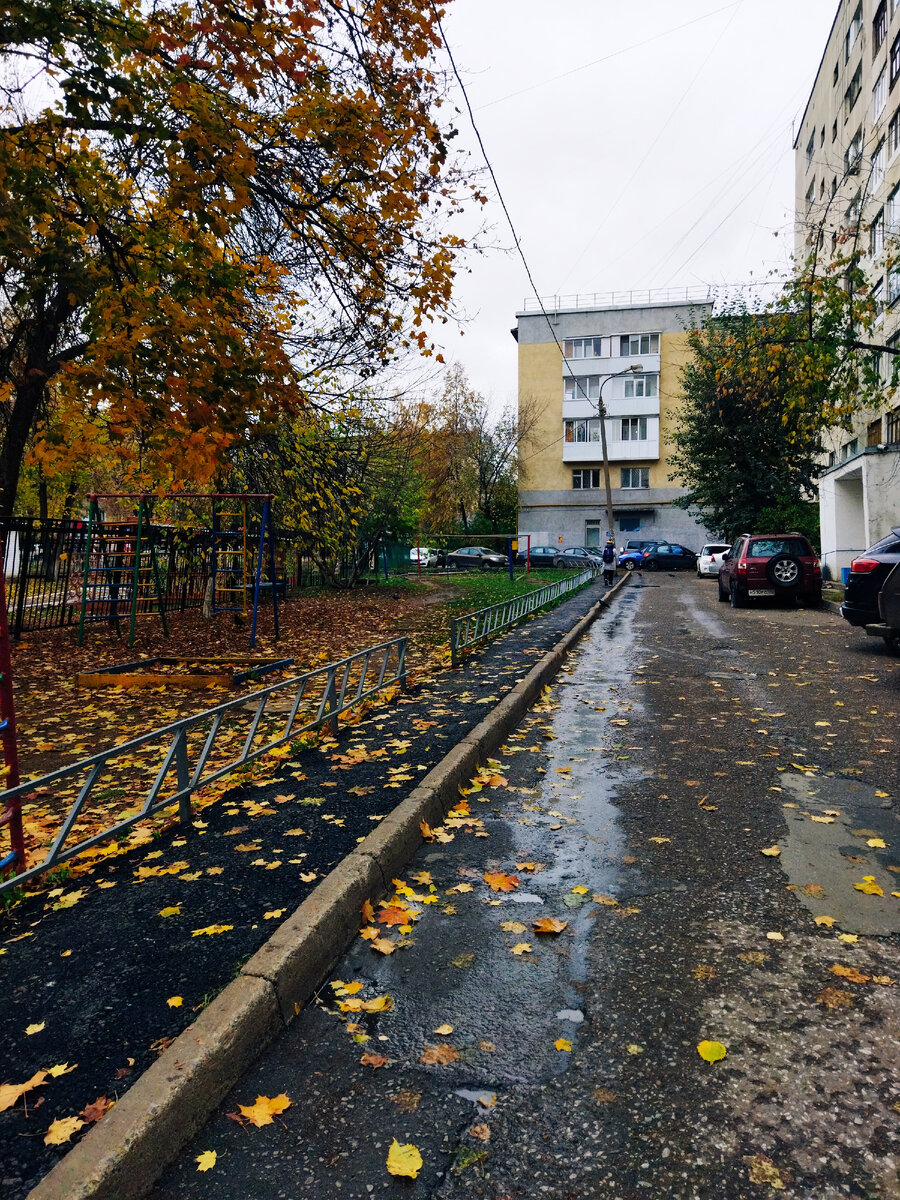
769 547
663 547
887 545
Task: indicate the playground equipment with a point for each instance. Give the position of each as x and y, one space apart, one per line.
122 575
121 569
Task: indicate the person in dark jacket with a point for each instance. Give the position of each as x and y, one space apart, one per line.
609 563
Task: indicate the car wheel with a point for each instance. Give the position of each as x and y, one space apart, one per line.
783 571
651 564
737 600
629 564
723 595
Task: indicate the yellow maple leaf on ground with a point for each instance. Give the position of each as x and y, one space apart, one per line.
404 1160
175 1002
522 948
61 1069
443 1030
206 1161
61 1130
10 1092
711 1051
771 851
264 1110
173 910
826 921
563 1044
869 886
548 925
498 882
211 929
31 1029
275 914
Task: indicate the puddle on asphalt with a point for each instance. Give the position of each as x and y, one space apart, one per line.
482 1097
829 855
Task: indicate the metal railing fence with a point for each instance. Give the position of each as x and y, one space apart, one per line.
182 756
478 626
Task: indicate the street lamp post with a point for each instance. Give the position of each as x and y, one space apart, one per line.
601 413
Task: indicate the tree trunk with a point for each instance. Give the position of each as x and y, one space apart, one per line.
43 503
25 407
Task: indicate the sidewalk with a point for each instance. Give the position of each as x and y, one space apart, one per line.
97 977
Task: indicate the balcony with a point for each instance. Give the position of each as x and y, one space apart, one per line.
591 453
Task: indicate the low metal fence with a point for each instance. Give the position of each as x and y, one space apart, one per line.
170 764
482 624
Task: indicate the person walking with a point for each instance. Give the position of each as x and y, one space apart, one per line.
609 563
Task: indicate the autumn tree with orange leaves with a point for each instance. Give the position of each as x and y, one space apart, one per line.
202 209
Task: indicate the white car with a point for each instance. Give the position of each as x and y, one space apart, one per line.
424 556
710 558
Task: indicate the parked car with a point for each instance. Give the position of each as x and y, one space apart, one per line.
781 565
471 558
867 574
711 558
636 544
667 556
888 627
631 554
426 556
541 556
578 556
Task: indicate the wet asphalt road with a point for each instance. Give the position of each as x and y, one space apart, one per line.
683 739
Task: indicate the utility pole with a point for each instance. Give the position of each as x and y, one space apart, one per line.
635 369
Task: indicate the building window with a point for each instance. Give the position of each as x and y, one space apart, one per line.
835 76
635 477
876 235
810 195
810 148
590 347
853 154
853 32
893 285
873 433
894 65
851 216
892 211
876 174
879 27
852 93
849 448
821 197
583 430
879 95
582 387
893 137
892 421
833 130
634 429
878 304
641 385
631 344
832 458
587 478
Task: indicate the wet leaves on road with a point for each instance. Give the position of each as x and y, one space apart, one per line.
711 1051
548 925
61 1130
11 1092
563 1044
439 1056
264 1110
835 998
497 881
405 1160
206 1161
868 886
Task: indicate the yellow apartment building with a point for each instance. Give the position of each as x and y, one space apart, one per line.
626 348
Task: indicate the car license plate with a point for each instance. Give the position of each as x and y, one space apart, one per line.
760 592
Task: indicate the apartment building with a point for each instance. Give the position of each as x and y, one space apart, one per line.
847 164
632 346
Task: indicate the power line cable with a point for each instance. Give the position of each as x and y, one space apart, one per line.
607 57
662 129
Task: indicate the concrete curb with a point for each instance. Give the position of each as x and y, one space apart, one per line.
123 1155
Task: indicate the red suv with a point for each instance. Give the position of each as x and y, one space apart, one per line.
782 565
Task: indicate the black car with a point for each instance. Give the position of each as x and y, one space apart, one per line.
540 556
666 556
474 558
867 574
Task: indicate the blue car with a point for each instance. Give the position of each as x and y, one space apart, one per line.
633 553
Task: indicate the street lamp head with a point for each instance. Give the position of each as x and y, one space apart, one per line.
636 367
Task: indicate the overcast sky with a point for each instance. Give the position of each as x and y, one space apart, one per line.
628 162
